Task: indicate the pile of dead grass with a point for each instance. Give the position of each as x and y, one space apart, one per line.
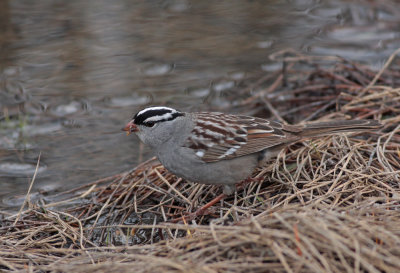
331 204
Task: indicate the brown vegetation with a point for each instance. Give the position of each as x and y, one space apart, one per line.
326 205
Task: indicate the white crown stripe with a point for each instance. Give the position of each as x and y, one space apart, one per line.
165 116
156 108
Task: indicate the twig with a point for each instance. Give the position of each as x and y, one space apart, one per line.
27 197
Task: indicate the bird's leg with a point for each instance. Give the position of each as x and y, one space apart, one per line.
248 180
201 210
227 190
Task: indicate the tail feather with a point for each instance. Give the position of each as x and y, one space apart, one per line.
340 126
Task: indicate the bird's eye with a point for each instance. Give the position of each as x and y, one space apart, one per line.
150 124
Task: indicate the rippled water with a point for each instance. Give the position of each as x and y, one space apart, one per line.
73 72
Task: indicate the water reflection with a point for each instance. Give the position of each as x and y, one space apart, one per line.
73 72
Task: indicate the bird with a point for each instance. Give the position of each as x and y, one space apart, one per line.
224 149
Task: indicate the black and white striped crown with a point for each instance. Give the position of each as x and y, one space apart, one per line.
155 114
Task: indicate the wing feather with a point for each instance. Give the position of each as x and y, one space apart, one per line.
220 136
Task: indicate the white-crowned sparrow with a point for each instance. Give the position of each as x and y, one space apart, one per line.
217 148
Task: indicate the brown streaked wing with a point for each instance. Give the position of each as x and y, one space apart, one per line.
228 136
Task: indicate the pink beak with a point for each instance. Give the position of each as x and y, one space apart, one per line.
130 127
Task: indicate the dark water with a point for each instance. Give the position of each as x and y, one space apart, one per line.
72 73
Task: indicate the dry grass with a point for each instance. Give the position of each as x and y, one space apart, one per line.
326 205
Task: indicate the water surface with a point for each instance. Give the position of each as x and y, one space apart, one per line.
72 73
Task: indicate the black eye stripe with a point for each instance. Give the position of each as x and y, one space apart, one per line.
149 124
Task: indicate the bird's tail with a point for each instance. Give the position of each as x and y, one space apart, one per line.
340 126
